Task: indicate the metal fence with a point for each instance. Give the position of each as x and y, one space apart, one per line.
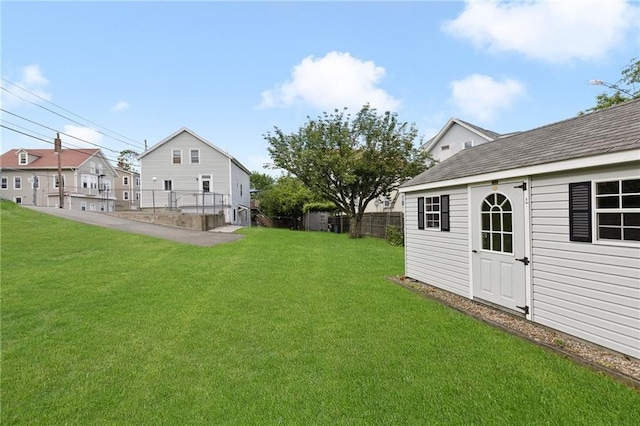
184 201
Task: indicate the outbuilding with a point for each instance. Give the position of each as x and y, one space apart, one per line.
544 224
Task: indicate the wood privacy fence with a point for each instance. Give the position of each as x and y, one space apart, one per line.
373 224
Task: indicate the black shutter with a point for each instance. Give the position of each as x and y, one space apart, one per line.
444 213
420 212
580 212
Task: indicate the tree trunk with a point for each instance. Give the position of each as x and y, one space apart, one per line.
354 226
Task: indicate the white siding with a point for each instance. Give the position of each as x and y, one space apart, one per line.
240 180
435 257
589 290
455 139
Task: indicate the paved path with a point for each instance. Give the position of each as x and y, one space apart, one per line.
182 235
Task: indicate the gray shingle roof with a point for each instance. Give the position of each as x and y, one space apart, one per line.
611 130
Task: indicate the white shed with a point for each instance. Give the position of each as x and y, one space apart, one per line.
543 223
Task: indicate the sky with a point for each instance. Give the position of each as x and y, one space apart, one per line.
116 74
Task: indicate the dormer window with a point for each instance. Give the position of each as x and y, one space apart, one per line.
23 158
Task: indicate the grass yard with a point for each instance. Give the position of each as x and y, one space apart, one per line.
281 327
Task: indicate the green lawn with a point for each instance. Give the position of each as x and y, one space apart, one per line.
281 327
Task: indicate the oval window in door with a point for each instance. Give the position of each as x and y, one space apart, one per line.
496 219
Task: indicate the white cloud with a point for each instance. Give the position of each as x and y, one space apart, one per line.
87 137
481 97
336 80
31 80
120 106
554 31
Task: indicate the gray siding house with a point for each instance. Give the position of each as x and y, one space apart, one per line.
544 224
455 136
30 176
185 172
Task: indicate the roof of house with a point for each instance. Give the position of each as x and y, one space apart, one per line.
606 131
484 133
47 158
203 140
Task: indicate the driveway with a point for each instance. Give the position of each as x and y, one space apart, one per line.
181 235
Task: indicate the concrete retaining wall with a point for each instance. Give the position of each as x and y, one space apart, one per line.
202 222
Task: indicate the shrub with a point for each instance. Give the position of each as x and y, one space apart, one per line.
395 236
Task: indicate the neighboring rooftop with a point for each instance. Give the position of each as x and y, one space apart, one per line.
47 158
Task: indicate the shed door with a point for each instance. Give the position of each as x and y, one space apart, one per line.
498 245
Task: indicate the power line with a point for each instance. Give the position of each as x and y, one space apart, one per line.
76 149
58 131
138 146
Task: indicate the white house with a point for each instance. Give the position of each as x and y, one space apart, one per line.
30 176
455 136
187 173
544 223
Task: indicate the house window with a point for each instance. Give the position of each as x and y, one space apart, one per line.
444 148
22 158
195 156
241 190
137 196
17 182
125 180
497 224
55 181
168 185
387 202
137 181
125 195
5 183
83 205
17 200
618 210
176 156
468 144
92 167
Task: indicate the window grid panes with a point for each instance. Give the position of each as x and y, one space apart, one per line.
177 156
195 156
432 212
497 224
618 210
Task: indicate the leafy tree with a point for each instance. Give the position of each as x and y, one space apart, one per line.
627 88
261 181
349 161
127 160
286 198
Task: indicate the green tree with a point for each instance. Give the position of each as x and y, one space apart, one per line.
287 198
627 88
127 160
349 161
261 181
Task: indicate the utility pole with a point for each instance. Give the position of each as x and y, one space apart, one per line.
57 146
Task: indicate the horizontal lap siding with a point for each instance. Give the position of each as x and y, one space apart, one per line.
589 290
435 257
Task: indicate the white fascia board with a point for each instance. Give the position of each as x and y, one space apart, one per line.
615 158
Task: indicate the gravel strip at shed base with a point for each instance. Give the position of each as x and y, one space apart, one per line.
619 366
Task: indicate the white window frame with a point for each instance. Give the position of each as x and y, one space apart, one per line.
125 195
5 183
125 180
191 151
23 158
17 200
137 196
17 182
435 214
174 157
83 205
92 167
137 181
55 181
620 210
468 144
164 184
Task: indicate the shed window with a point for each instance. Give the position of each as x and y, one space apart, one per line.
433 212
497 224
618 210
